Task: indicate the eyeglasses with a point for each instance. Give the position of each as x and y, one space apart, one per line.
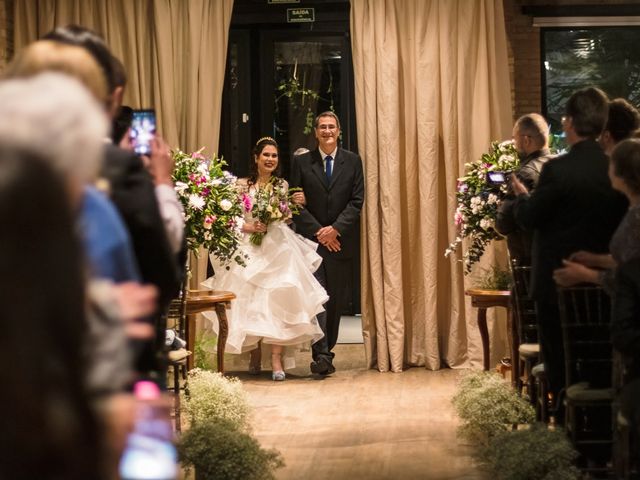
326 127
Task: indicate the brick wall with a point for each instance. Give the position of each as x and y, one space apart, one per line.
524 51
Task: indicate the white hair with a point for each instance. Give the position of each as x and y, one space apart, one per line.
55 116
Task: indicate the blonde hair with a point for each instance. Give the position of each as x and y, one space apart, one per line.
48 56
53 115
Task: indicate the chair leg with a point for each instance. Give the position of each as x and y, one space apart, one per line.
176 392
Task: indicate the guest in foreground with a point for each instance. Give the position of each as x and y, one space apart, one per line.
333 183
50 429
573 208
589 267
277 296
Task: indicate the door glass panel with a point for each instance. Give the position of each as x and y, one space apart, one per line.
307 82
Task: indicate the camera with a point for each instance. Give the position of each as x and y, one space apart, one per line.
498 178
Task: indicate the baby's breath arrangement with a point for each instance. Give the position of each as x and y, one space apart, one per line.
488 406
534 453
478 201
211 395
219 451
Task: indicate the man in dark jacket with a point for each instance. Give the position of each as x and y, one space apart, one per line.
573 208
531 138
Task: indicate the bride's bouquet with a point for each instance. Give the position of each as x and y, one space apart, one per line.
213 216
271 203
478 200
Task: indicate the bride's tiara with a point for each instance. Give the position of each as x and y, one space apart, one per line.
263 139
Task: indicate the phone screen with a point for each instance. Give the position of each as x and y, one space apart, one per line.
496 177
143 130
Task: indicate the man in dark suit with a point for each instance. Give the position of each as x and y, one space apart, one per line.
531 139
333 185
573 208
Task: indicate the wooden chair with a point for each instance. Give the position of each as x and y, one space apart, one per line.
585 318
177 360
527 330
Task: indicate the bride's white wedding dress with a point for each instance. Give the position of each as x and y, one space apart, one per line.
277 296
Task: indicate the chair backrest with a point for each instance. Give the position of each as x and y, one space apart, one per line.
524 308
177 312
585 314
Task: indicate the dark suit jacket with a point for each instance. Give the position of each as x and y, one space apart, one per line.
573 208
133 193
337 204
519 240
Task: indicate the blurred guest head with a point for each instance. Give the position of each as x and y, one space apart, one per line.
624 168
586 115
97 47
49 429
623 120
55 116
530 134
48 56
121 124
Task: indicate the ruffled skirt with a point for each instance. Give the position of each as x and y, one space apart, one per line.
277 296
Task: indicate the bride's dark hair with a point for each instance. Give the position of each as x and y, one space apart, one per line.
257 150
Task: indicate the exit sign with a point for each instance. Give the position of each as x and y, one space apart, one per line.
299 15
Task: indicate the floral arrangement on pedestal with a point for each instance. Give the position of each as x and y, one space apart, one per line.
478 200
213 213
271 203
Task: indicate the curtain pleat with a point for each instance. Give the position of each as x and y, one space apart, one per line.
432 91
174 52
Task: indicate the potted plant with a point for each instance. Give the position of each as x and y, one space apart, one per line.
488 406
534 453
218 450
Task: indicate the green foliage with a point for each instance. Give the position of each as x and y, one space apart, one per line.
219 451
478 201
495 278
211 395
488 406
535 453
202 349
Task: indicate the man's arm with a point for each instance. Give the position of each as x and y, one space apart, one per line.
531 209
306 223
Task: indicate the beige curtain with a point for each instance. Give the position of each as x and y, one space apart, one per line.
432 90
174 52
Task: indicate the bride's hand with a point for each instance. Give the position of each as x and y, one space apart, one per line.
299 198
255 227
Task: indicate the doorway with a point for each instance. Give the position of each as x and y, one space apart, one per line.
279 76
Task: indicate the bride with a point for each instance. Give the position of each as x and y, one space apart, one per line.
277 296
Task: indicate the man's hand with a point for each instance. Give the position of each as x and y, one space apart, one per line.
517 186
326 235
333 246
573 273
160 163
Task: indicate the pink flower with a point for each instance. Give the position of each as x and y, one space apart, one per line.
209 220
197 155
247 204
458 218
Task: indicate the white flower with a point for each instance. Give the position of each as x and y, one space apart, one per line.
226 204
486 223
506 158
180 187
239 223
196 201
203 169
216 181
475 200
493 198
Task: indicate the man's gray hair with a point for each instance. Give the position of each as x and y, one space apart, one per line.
55 116
535 126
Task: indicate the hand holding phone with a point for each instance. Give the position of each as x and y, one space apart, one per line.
142 131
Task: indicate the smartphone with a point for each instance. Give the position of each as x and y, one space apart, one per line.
143 130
